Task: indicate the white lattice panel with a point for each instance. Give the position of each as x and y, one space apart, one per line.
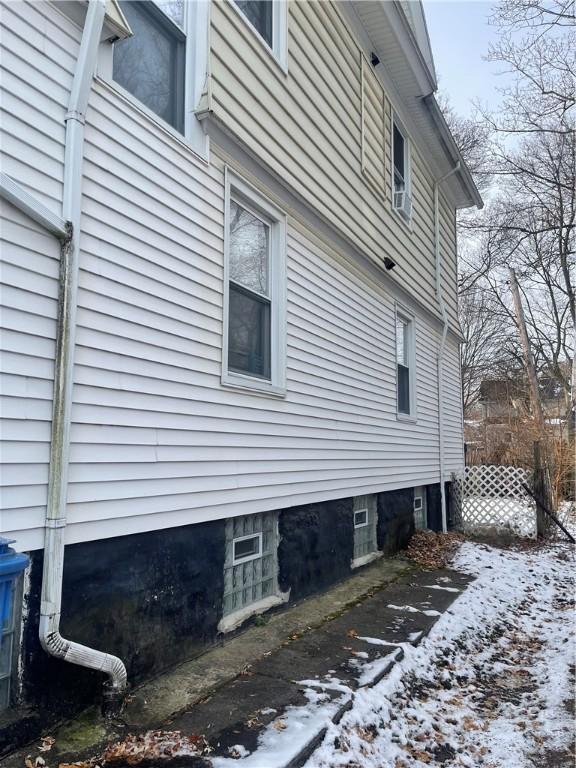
493 496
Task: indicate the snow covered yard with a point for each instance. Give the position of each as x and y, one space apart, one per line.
492 684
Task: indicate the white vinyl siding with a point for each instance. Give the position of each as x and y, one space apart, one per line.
157 441
373 128
316 141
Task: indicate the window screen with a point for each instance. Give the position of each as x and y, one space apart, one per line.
150 64
259 14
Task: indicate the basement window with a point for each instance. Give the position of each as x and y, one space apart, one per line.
420 514
365 521
246 548
250 568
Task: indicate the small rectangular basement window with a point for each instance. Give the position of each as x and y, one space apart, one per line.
420 514
246 548
251 561
365 519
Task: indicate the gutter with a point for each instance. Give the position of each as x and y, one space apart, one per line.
452 151
441 349
51 601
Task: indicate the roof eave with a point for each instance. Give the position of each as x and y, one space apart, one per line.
445 135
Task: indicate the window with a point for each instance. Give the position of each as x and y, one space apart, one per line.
365 521
405 365
402 201
246 548
163 64
420 516
269 19
150 65
250 566
259 13
254 306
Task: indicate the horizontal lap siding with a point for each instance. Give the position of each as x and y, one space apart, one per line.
156 440
38 54
307 127
29 303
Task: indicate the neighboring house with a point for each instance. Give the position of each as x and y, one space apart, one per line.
231 346
499 427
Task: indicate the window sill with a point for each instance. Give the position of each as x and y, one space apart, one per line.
254 386
406 221
202 154
234 620
360 561
406 417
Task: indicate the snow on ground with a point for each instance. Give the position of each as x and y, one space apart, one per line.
516 515
491 684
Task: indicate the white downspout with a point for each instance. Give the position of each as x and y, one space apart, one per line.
443 313
50 636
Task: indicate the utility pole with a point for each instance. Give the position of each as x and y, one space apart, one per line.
530 369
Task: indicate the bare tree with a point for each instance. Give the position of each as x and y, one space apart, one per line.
529 222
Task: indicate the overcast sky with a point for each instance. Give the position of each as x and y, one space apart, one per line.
460 36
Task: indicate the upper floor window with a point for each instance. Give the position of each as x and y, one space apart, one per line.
254 294
269 18
405 365
401 173
259 13
162 67
151 63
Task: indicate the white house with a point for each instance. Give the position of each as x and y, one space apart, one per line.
230 337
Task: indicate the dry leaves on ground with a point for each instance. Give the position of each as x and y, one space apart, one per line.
434 550
156 744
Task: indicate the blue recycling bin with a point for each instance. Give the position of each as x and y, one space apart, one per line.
11 566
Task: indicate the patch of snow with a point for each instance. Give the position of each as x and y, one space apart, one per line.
284 739
439 586
488 685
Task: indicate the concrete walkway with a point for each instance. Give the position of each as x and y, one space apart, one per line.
272 689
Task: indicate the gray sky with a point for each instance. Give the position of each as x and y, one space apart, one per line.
460 35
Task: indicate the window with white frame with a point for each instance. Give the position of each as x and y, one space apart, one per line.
401 186
420 514
254 302
365 522
269 19
404 364
163 64
251 561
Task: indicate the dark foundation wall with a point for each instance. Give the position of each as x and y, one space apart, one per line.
395 519
316 546
153 599
434 507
